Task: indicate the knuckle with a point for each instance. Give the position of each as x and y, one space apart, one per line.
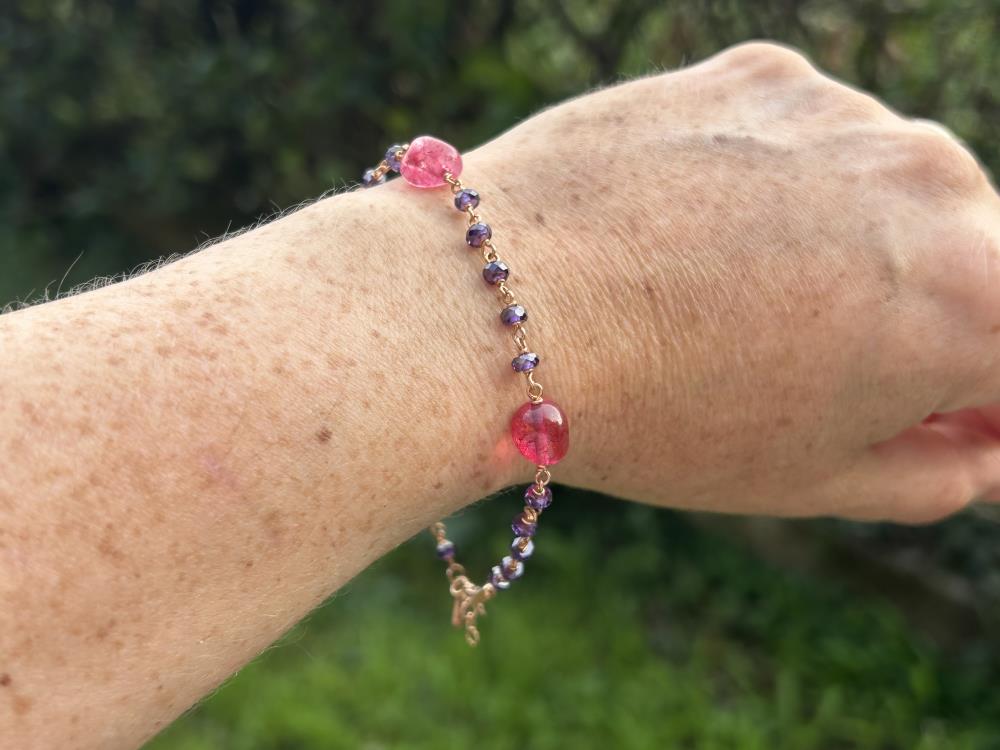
934 157
944 500
960 281
847 102
766 61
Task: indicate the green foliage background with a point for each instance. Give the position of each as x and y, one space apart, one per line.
131 130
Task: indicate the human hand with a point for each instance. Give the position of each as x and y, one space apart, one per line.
765 291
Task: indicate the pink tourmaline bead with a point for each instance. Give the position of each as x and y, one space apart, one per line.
540 432
426 161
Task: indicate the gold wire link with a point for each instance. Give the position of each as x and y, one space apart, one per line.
473 216
381 170
489 251
471 631
534 387
542 477
520 339
456 184
506 294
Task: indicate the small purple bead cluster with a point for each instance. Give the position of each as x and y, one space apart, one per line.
373 177
524 526
495 272
478 234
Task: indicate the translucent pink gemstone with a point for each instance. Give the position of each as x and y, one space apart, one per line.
426 161
540 432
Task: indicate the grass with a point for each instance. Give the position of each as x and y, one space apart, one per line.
631 629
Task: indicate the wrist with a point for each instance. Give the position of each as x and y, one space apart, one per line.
415 339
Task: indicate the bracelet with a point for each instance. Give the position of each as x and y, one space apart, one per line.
539 428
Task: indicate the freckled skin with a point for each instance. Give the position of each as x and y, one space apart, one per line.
807 277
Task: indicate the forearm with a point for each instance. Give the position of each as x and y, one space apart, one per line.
754 285
200 455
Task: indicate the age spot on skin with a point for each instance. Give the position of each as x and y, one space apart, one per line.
22 705
107 546
5 680
324 435
272 524
103 631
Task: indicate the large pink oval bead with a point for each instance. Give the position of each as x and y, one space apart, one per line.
426 161
541 433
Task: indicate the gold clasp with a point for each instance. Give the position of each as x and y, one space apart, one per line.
469 603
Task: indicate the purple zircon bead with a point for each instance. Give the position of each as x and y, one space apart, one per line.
466 199
513 314
524 362
368 179
478 234
392 157
522 527
495 272
512 569
519 553
498 579
535 501
446 550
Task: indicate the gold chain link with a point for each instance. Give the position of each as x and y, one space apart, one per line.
520 338
534 387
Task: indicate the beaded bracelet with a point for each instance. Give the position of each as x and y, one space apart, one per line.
539 428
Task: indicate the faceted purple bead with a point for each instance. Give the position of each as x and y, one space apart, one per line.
513 314
512 569
392 158
517 552
368 179
524 362
478 234
466 198
495 271
538 502
521 527
498 579
446 550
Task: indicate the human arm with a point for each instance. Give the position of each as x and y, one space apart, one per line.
743 278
